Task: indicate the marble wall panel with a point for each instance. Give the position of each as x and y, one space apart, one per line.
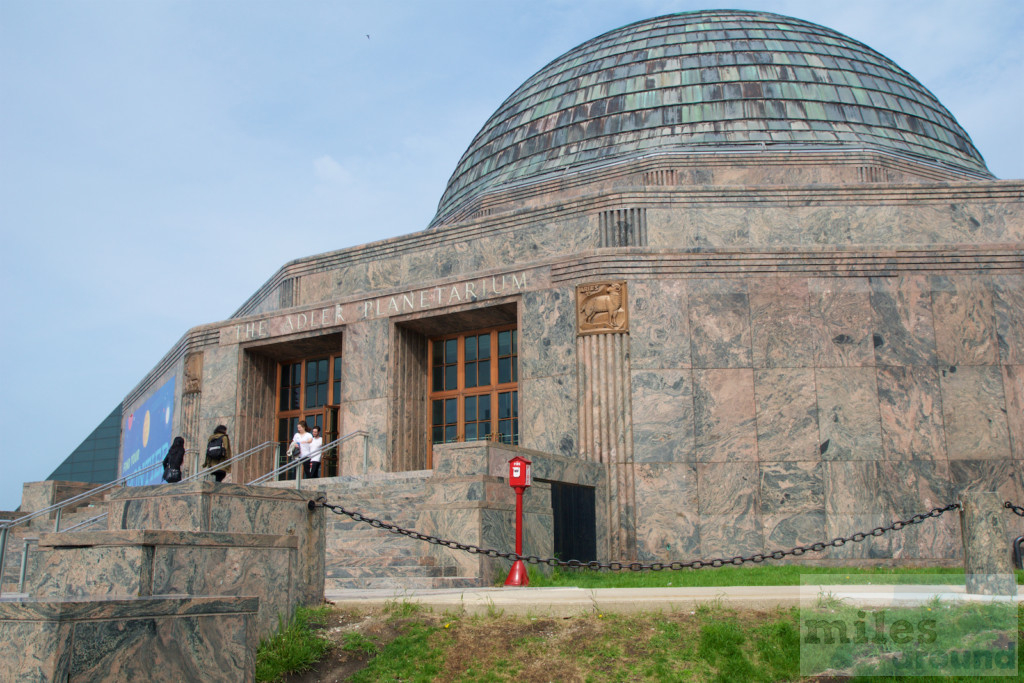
1008 306
430 263
547 341
37 495
666 511
462 524
704 227
974 413
495 251
206 648
370 416
965 323
842 321
727 488
719 315
780 323
970 223
787 415
850 487
910 405
848 419
35 651
904 332
659 334
548 415
663 416
546 239
826 225
791 487
1000 476
723 409
786 530
905 489
934 539
365 360
220 385
792 498
266 573
182 513
92 572
152 639
730 535
459 490
1013 386
844 525
315 287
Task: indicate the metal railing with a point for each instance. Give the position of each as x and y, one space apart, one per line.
57 508
296 462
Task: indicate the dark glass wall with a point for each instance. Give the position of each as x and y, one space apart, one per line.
95 459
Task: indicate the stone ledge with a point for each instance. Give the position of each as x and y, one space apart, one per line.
33 609
151 537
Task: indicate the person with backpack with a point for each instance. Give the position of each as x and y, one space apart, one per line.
173 460
218 449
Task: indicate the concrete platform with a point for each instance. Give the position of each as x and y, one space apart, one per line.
563 601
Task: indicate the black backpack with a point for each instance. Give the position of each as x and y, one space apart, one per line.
215 448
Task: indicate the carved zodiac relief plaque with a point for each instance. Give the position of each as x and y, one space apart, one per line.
601 308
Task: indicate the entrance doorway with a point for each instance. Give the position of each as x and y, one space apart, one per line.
575 522
309 389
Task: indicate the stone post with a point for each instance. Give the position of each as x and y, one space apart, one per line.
986 555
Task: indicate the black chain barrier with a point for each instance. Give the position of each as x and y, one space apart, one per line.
1015 509
796 551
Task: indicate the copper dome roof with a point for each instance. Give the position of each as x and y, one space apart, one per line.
703 81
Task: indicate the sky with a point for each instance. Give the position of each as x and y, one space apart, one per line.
160 160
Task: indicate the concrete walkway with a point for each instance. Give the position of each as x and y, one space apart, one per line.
563 601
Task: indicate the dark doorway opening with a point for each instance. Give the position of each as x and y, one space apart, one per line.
575 521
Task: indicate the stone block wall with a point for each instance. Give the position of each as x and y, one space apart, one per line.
165 639
775 411
469 500
203 506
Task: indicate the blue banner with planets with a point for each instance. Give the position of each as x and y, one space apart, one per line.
147 436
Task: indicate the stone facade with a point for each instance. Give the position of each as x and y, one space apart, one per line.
781 344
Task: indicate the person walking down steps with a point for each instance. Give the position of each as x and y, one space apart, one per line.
218 449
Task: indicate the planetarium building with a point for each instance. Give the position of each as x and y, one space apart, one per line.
732 281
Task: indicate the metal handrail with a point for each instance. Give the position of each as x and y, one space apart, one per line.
233 459
241 456
91 520
4 528
292 464
56 507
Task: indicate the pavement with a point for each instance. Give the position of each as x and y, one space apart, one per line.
567 601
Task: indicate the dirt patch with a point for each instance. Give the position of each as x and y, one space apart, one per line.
340 663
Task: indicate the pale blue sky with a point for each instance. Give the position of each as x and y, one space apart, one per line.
160 160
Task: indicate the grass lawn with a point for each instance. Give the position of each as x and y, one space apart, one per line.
407 642
762 575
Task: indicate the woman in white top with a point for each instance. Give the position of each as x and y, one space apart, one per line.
314 448
300 445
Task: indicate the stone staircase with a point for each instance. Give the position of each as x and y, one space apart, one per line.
17 535
361 556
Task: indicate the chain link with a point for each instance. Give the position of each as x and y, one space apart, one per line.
756 558
1016 509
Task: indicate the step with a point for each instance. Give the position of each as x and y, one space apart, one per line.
348 572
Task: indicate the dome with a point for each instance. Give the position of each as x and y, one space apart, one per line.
701 82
